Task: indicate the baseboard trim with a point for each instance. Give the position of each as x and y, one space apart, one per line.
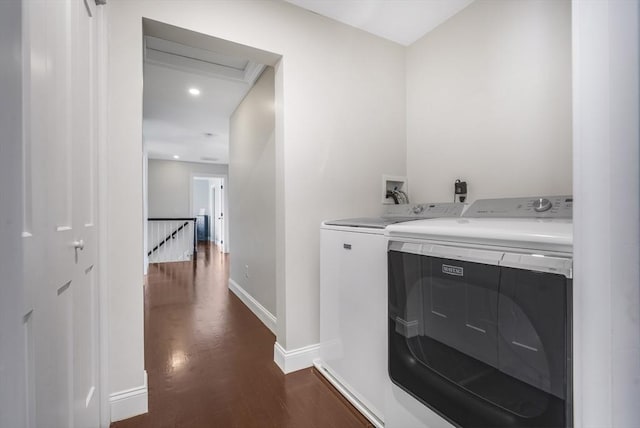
267 318
129 403
295 359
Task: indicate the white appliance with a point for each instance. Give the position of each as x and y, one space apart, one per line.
479 317
353 303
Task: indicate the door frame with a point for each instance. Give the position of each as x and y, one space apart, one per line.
225 180
102 105
212 207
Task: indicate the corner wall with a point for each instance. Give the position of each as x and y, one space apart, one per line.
489 102
252 192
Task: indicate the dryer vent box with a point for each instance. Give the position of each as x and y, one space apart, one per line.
391 183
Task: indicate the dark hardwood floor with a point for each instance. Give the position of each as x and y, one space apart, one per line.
209 360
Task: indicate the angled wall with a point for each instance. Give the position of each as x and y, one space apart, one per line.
252 192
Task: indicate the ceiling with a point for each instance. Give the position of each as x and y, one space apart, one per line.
401 21
177 123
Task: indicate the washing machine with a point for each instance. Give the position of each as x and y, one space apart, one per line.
479 317
353 303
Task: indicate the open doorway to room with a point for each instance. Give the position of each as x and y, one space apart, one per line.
209 180
190 94
208 206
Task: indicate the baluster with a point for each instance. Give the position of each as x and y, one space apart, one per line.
167 243
158 234
176 242
176 249
172 248
155 240
160 249
154 232
182 241
182 234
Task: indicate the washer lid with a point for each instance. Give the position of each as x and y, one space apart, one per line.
368 222
542 234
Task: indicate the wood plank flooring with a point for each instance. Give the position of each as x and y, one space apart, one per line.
209 360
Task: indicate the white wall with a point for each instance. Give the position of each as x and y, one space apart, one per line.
489 101
252 193
340 125
170 186
201 197
12 329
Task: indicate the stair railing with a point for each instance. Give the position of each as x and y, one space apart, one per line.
171 239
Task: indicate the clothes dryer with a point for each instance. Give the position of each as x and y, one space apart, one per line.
479 317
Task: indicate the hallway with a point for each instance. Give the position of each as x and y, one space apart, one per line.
209 360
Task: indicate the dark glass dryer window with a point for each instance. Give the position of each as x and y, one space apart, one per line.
483 345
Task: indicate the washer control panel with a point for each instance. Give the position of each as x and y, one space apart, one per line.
533 207
421 211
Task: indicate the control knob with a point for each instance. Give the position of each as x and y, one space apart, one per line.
541 205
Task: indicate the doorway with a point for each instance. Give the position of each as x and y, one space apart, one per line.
208 204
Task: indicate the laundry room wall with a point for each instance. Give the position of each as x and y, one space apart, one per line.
489 102
252 192
170 186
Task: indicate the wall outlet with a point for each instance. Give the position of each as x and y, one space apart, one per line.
246 271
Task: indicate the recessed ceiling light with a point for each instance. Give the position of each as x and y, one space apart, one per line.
176 157
194 91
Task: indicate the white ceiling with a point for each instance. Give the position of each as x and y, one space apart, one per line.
176 123
196 128
401 21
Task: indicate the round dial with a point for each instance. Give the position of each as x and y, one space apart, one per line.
541 205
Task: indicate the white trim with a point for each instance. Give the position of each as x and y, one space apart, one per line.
225 204
295 359
260 311
129 403
102 86
355 402
606 303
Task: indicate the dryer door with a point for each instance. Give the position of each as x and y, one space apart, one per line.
482 345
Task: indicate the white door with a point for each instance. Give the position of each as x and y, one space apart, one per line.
212 210
61 308
219 214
